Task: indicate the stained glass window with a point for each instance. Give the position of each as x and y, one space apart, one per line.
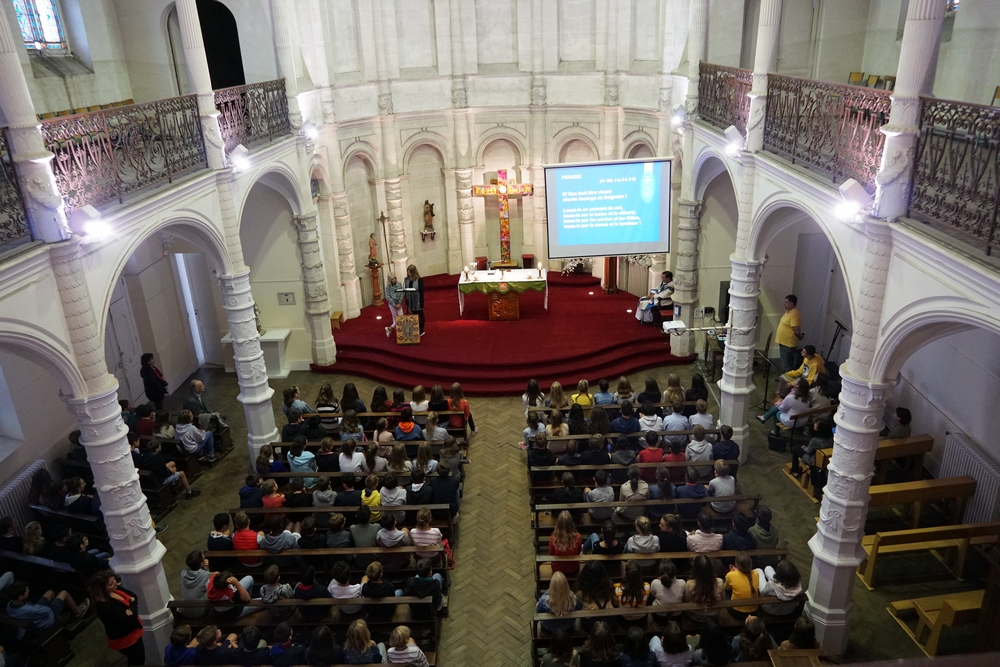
40 25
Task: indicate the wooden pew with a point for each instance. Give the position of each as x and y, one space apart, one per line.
554 509
174 451
556 471
47 648
612 410
44 571
926 539
160 498
583 438
802 419
90 525
936 613
958 489
288 560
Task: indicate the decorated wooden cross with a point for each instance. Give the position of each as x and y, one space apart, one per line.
501 188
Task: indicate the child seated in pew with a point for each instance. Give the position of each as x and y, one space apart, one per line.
77 500
597 452
370 497
643 542
626 423
743 582
703 419
45 611
765 535
9 539
622 455
753 642
418 491
649 420
165 472
352 459
435 433
87 562
323 496
375 462
425 461
391 537
219 539
425 583
284 651
726 448
382 435
676 421
348 496
34 543
565 541
568 493
273 590
322 648
341 588
399 402
252 493
603 493
224 587
632 591
671 649
595 591
308 589
295 428
351 429
672 536
309 538
699 449
266 463
713 646
704 588
314 431
181 649
326 457
451 454
605 543
271 498
676 455
663 489
541 455
634 490
803 636
667 588
582 395
373 586
301 459
398 461
570 457
691 489
359 648
298 497
604 397
364 534
426 535
559 600
600 649
279 536
446 489
739 537
722 484
704 539
651 454
635 651
252 650
782 581
403 649
338 537
245 539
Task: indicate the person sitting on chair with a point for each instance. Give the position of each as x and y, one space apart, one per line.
648 309
812 366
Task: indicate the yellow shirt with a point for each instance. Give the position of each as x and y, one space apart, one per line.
582 399
372 499
809 369
738 583
785 335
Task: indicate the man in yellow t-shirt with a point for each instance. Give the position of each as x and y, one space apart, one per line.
789 334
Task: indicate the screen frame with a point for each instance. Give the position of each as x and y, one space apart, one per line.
667 192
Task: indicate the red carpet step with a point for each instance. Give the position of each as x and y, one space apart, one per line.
583 334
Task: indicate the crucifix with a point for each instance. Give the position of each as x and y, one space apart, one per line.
501 188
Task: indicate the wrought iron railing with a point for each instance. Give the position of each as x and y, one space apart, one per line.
723 95
956 175
252 114
13 220
830 127
104 155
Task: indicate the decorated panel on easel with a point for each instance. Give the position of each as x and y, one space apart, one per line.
408 330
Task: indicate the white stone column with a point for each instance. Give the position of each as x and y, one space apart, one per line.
736 384
686 270
397 231
697 39
914 76
42 200
281 21
201 80
251 372
836 546
466 215
765 60
345 248
138 555
324 350
541 226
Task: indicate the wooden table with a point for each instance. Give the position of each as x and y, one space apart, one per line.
503 288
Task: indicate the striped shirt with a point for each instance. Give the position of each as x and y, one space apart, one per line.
411 655
426 538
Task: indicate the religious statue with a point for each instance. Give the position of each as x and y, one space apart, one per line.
428 230
372 250
256 318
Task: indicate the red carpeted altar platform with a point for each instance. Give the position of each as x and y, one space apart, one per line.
584 333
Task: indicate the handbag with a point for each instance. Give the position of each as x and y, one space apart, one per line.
776 443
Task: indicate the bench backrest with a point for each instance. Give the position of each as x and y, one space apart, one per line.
664 609
339 551
917 535
925 489
580 558
337 508
888 449
645 503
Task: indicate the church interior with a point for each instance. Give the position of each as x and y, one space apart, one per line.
204 205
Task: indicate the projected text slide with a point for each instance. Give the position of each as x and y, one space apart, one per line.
619 204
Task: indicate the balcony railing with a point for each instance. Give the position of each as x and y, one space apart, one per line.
105 155
13 221
252 114
830 127
956 175
723 95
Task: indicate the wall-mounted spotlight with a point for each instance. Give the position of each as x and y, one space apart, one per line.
240 158
310 131
91 228
734 141
679 116
856 200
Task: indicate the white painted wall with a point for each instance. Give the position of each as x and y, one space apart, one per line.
725 32
427 183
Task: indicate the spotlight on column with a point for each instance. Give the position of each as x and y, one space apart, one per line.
310 131
679 117
239 158
735 141
856 200
88 224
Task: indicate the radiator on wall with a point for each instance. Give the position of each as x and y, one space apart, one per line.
962 456
14 494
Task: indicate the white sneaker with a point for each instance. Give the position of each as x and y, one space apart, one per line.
387 332
422 334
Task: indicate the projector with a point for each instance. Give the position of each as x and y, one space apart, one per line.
674 327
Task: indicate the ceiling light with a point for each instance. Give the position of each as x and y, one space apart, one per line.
240 158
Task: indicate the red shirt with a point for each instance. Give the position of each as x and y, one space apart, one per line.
650 455
458 421
677 475
246 540
574 549
277 500
145 426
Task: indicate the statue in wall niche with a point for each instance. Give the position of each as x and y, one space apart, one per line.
372 250
428 230
256 318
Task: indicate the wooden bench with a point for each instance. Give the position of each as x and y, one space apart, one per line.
809 657
583 438
160 498
554 509
926 539
174 451
802 419
46 572
46 648
936 613
958 489
611 469
289 559
911 449
613 408
89 524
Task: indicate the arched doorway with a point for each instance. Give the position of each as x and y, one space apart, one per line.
499 154
221 36
717 238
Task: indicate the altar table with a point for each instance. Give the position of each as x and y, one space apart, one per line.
503 291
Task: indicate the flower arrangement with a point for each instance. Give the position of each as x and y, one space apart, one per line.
641 260
571 265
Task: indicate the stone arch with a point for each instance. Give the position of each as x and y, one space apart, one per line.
39 347
707 166
196 229
280 179
365 152
501 134
636 140
638 151
567 136
921 322
318 170
432 139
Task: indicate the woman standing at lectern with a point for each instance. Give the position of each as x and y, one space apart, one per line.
414 286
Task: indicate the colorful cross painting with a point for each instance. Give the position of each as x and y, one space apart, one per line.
501 188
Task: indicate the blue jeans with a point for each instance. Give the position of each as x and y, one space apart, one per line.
100 554
772 412
588 544
207 444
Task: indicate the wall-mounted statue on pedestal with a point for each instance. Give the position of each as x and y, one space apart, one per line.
428 230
